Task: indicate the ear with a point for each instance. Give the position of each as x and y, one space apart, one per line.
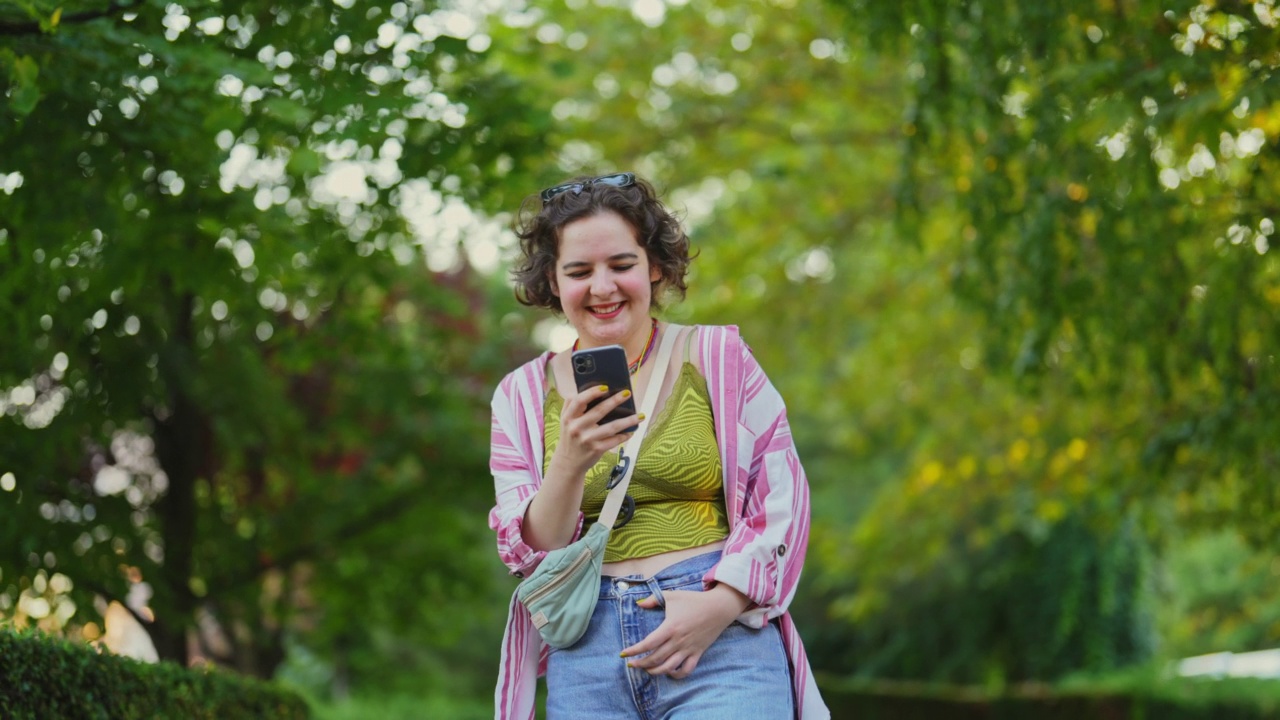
655 273
555 287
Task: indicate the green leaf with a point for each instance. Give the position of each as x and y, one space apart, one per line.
224 117
50 23
304 161
287 110
24 89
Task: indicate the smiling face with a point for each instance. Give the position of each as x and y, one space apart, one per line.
604 281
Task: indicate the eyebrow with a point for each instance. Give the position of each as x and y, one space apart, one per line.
612 258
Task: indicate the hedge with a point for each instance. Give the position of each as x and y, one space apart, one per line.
1181 699
44 678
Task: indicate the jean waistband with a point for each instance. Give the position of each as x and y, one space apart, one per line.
672 576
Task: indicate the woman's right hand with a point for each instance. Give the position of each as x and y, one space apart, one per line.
583 441
549 520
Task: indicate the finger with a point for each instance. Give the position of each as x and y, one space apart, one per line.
650 643
622 426
687 667
608 404
619 397
649 603
670 666
653 660
660 646
577 403
587 423
606 437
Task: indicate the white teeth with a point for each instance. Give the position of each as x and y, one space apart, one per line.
605 309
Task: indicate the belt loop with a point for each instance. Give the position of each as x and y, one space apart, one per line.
656 588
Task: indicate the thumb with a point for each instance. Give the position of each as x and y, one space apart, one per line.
649 603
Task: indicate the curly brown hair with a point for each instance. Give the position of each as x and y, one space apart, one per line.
657 230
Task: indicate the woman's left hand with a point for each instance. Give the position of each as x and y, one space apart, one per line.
694 621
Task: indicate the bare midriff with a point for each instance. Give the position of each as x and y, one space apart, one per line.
647 567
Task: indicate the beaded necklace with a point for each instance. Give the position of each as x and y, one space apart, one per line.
644 354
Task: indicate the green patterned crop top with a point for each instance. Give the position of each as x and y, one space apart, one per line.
677 483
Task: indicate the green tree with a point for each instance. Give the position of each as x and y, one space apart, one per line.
1110 168
230 379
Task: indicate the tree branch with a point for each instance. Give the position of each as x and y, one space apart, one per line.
14 29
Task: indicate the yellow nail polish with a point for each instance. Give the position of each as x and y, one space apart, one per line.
626 393
622 654
603 388
630 665
640 416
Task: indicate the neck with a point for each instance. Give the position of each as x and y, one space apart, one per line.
638 341
634 345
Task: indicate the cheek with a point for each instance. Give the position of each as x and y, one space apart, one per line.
568 289
637 285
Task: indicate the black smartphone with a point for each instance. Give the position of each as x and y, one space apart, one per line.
605 366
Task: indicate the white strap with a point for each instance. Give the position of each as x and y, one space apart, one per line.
613 503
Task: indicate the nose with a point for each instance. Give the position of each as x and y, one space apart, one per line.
602 285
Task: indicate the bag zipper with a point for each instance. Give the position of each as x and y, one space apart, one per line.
565 576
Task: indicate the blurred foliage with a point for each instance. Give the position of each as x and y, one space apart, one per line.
1013 352
233 391
1138 694
406 706
1015 607
1218 595
1109 172
1092 182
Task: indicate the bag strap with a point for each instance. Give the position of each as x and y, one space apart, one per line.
613 503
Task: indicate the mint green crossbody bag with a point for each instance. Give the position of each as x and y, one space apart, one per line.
561 593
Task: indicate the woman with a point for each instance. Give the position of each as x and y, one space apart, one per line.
692 617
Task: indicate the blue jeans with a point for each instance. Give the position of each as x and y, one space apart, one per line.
745 672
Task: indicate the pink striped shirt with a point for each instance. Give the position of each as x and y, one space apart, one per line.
766 496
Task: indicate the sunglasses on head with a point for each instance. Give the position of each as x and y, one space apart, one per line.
625 179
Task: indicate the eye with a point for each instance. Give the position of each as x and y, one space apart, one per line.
623 268
577 275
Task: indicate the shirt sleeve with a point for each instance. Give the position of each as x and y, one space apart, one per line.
765 551
515 479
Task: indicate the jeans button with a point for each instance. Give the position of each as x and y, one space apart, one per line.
623 585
